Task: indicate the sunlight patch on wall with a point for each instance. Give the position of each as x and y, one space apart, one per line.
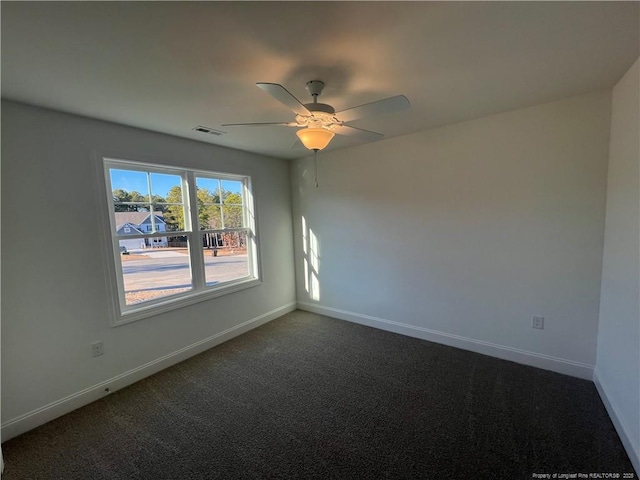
313 250
306 275
315 288
304 235
311 261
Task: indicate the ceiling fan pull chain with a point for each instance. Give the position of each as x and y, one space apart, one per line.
315 167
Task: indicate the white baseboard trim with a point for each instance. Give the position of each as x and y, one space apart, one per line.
633 451
546 362
39 416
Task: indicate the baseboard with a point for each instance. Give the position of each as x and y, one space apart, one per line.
39 416
633 451
547 362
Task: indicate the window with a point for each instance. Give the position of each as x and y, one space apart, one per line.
178 236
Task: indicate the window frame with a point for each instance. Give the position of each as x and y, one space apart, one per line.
200 291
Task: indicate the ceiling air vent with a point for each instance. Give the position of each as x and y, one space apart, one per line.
211 131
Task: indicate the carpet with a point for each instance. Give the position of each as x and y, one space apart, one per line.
308 396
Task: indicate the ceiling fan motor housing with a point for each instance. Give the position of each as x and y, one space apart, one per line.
314 87
320 107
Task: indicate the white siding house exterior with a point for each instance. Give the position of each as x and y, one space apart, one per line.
138 223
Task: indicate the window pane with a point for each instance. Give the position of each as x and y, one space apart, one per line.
231 187
232 216
132 203
164 185
208 193
209 217
130 181
212 188
130 191
167 190
174 219
232 200
158 271
226 257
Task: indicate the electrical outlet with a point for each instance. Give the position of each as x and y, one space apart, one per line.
97 348
537 322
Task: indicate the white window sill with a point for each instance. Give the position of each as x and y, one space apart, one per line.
138 312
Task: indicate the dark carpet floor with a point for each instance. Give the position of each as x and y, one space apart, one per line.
307 396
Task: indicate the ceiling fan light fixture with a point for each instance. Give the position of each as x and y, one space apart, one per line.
315 138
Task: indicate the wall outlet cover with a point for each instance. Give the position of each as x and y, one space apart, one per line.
97 348
537 322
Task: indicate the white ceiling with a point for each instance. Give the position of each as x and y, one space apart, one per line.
169 66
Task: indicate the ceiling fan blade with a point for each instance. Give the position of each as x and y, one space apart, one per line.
283 95
350 131
391 104
284 124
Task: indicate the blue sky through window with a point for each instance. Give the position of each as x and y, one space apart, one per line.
161 183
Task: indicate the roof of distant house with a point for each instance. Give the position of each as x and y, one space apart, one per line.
136 218
126 227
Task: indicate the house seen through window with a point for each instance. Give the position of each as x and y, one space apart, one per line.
178 233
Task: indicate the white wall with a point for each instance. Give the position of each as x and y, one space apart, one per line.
460 234
617 371
54 301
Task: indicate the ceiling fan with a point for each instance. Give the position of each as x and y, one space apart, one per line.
319 122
